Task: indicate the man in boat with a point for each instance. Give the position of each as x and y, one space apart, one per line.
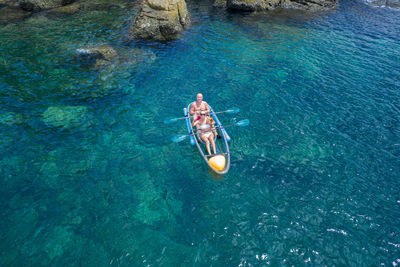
199 107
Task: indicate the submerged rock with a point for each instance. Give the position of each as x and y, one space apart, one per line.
10 14
58 240
154 206
10 118
387 3
13 3
98 56
65 10
220 3
160 20
259 5
103 5
37 5
67 117
105 52
393 3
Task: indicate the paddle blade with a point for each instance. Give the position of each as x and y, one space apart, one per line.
232 110
170 120
178 138
243 122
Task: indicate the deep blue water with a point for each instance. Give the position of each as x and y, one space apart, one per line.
89 176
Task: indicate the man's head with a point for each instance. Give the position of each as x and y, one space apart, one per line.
199 97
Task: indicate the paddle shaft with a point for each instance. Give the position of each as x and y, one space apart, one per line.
189 116
198 130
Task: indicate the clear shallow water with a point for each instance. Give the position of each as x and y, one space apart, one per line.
314 178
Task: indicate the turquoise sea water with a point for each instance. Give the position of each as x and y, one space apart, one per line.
314 178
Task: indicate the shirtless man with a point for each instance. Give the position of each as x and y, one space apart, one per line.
199 107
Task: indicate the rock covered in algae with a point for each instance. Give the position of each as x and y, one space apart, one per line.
160 20
10 118
50 174
153 205
66 10
67 117
219 3
37 5
97 55
253 5
11 14
23 222
387 3
312 5
258 5
106 52
58 240
50 244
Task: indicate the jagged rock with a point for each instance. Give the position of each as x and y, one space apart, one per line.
312 5
98 55
10 14
67 117
66 10
160 20
37 5
259 5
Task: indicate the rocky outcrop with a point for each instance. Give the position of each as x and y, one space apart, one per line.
159 20
37 5
259 5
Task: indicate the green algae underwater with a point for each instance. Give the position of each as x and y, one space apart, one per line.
89 176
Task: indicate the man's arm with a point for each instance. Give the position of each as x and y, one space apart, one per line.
191 109
207 108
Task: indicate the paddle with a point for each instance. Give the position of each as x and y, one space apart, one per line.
229 111
179 138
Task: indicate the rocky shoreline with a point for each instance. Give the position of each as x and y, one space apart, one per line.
159 20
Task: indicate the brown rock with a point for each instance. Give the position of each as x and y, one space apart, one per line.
160 20
258 5
312 5
37 5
